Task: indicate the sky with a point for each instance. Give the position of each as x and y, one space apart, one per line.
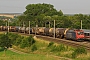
67 6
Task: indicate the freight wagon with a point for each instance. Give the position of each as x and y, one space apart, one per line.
27 30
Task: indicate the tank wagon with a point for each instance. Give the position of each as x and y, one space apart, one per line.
61 32
5 28
51 32
27 30
17 28
22 29
38 30
35 30
41 30
46 31
13 28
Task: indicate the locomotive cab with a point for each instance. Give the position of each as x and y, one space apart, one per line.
79 34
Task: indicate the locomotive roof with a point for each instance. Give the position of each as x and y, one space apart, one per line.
73 30
86 30
70 30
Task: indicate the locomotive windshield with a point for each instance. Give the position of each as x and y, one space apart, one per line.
80 33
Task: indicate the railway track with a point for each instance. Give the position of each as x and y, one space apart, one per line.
85 44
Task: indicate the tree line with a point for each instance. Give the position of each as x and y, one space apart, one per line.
41 14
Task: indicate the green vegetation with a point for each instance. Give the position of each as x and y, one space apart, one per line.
54 48
27 42
5 42
41 49
33 48
78 51
15 56
1 49
50 44
42 14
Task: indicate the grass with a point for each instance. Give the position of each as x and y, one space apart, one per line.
15 56
2 32
66 54
83 57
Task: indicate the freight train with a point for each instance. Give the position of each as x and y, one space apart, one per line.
72 34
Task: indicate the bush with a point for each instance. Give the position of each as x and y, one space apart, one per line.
5 41
1 49
58 48
18 40
31 40
78 51
24 43
13 37
33 48
74 55
53 48
50 44
61 47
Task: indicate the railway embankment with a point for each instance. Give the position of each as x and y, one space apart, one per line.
52 46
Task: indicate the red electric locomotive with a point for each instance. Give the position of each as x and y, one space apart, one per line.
75 34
